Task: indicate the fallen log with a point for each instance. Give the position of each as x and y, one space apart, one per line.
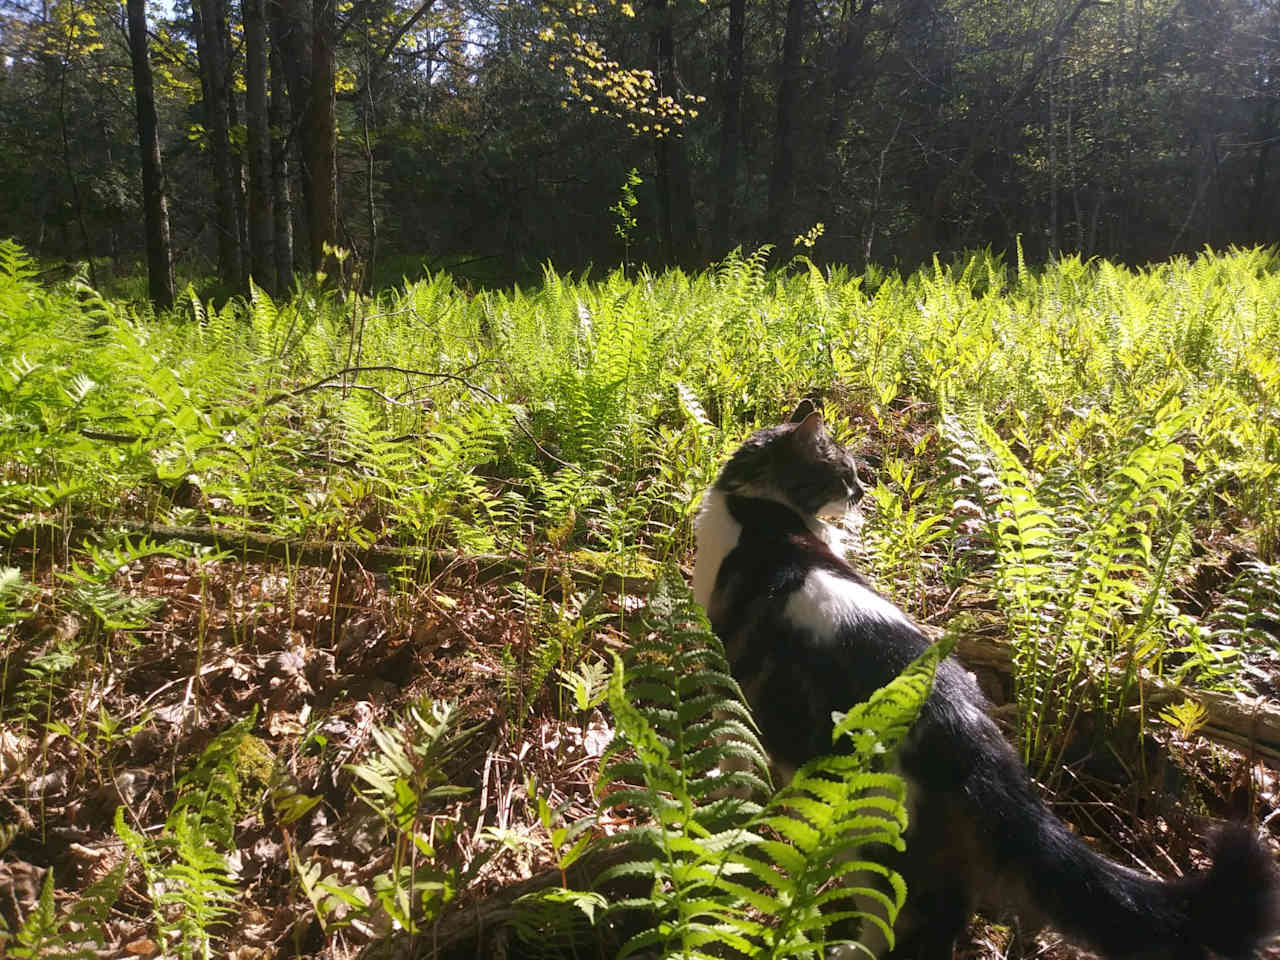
1248 724
252 547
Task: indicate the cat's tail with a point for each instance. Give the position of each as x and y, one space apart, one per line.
1229 909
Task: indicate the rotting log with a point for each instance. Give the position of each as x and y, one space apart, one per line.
251 547
1248 724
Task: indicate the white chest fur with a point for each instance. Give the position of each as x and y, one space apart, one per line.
716 534
826 602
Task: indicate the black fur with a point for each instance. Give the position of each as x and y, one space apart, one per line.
980 835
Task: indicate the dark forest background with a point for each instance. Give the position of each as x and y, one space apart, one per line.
241 138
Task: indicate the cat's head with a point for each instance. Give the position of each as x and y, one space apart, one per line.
795 463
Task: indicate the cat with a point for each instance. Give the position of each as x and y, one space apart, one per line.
806 635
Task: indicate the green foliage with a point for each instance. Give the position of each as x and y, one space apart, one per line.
74 934
1111 434
1186 717
402 779
187 874
13 591
1080 571
624 211
92 593
731 875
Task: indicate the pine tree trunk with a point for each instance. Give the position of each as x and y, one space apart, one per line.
727 169
213 62
283 207
155 206
261 187
324 136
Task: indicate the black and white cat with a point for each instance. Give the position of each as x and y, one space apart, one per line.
806 635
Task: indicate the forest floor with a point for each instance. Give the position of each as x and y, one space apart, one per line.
323 668
307 609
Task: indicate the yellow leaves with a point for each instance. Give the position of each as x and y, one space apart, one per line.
71 32
604 85
808 239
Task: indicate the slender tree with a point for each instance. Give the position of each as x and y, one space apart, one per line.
261 185
730 126
212 51
324 134
784 148
282 208
677 216
154 204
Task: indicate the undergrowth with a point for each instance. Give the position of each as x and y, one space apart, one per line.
1082 458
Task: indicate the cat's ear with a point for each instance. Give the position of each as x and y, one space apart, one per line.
810 429
805 409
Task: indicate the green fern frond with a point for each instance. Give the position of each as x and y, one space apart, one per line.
725 870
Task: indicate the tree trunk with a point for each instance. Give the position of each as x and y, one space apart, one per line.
727 169
324 136
261 186
291 35
213 64
154 204
784 150
854 26
283 205
678 226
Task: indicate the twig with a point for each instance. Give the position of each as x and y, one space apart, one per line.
410 372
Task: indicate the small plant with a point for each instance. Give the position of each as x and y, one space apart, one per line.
77 932
13 591
902 531
810 237
401 781
1186 718
623 212
186 868
587 686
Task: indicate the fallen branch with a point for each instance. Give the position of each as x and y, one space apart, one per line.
251 547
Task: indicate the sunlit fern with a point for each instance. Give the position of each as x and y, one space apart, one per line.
732 871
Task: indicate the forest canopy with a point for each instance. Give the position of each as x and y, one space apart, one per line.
500 134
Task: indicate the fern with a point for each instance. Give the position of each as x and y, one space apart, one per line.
78 933
13 591
727 872
186 868
400 781
93 593
1078 575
